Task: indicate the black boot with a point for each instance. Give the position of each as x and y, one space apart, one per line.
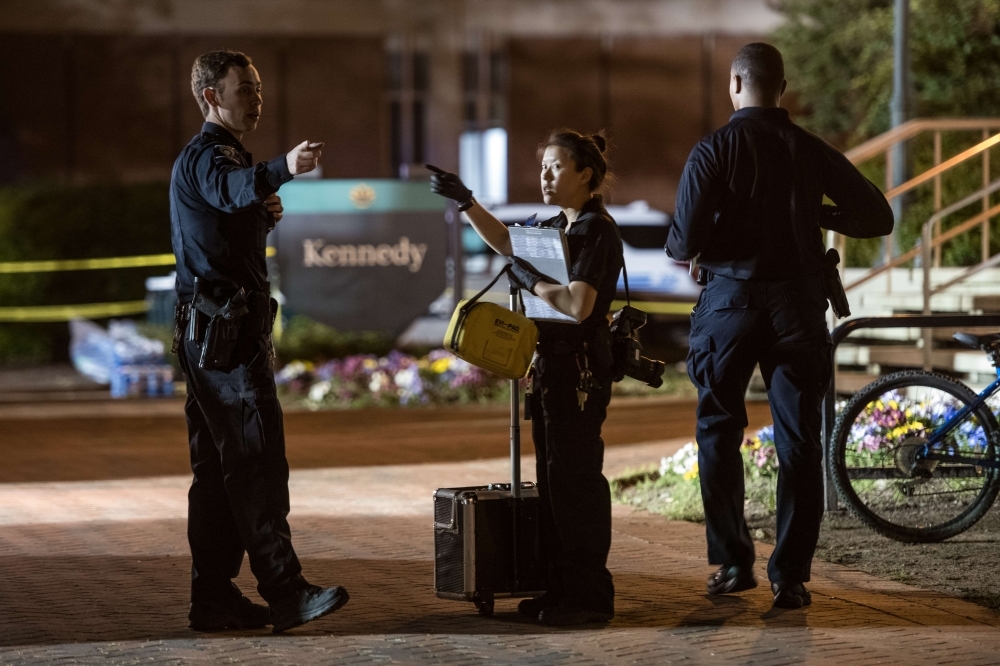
730 579
790 595
235 612
532 607
305 604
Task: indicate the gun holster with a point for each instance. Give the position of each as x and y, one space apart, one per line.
833 286
222 330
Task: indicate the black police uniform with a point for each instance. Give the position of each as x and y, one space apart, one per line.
238 501
575 524
750 203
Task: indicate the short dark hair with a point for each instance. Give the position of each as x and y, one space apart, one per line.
586 151
210 68
761 67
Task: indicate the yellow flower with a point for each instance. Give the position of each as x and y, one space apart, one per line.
370 364
441 365
691 473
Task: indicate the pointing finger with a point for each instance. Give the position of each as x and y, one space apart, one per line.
435 169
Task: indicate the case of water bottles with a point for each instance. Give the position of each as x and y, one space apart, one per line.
130 363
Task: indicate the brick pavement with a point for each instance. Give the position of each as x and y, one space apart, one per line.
96 572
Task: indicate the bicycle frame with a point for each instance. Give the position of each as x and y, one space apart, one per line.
841 333
930 450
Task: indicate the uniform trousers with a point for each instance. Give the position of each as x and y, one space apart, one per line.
575 498
238 501
781 326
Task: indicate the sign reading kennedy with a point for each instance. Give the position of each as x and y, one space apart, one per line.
318 252
361 256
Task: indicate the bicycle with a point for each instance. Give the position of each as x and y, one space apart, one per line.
916 455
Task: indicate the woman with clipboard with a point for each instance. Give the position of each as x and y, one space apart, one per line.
570 385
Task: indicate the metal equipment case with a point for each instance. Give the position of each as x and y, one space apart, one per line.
486 544
486 539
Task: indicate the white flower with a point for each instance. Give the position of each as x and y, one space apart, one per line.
681 462
379 382
292 371
406 378
318 391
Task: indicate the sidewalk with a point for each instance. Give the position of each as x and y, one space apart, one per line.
97 572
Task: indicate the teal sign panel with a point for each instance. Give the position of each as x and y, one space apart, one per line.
361 255
312 197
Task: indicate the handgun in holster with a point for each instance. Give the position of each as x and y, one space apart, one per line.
222 331
833 286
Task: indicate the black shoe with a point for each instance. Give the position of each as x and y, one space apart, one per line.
728 580
235 613
306 604
790 595
532 607
565 616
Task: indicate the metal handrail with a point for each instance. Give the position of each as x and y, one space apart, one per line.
933 172
839 335
925 244
883 142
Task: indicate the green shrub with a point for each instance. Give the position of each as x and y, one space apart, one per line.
45 222
839 64
304 339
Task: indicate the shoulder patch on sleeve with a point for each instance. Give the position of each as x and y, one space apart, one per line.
224 153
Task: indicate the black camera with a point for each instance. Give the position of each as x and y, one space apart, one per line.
627 351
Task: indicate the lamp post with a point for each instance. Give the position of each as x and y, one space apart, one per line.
899 107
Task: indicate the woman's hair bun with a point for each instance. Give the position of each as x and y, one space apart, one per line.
602 143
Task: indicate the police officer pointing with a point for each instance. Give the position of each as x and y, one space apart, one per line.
222 206
749 210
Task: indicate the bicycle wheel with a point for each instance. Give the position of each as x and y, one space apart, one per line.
873 446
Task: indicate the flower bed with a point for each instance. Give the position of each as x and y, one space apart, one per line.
439 378
673 489
397 379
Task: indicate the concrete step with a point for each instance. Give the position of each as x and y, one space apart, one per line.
849 383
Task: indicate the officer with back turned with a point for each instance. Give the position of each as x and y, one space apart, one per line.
749 212
222 206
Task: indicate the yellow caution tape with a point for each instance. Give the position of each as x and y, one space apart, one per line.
86 264
39 313
94 264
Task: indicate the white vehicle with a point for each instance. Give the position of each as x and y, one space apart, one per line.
652 275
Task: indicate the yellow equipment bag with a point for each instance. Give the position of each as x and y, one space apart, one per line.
492 337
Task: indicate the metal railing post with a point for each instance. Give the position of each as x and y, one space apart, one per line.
937 195
985 236
926 333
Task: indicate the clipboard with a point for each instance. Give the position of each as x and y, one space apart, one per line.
546 249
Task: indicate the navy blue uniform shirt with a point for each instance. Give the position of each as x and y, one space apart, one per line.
218 219
750 200
595 256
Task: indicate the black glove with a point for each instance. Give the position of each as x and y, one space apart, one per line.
524 276
451 187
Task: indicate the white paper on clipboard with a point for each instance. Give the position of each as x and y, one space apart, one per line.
546 250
